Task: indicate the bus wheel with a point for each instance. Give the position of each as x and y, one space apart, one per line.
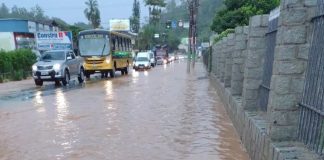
112 73
126 70
87 75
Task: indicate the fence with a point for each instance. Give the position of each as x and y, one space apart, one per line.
311 120
268 64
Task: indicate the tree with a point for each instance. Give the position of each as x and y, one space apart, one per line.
38 13
92 13
82 25
238 12
4 11
155 9
135 19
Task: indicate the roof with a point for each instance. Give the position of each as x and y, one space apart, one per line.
103 31
13 19
46 22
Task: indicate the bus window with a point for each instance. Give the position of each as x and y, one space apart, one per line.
113 43
122 44
119 43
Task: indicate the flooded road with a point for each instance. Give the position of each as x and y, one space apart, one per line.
160 114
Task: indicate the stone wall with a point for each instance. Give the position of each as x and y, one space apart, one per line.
237 76
228 59
238 56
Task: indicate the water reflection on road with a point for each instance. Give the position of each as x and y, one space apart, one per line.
159 114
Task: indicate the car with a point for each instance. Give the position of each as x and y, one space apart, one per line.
58 66
161 61
142 61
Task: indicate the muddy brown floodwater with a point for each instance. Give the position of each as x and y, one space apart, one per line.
160 114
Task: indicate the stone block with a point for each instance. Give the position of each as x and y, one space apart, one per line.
254 73
284 117
239 30
240 37
289 67
297 85
250 105
283 133
285 52
240 45
238 61
259 21
303 51
293 34
286 101
281 84
257 43
258 32
265 20
251 94
255 21
254 59
246 30
310 3
294 16
252 83
290 4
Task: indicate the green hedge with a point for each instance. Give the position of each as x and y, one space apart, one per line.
223 34
15 65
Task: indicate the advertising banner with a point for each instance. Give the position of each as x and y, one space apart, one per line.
119 25
54 40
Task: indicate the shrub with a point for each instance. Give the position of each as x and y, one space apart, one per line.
17 62
223 34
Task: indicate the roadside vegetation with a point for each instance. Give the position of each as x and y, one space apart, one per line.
16 65
238 12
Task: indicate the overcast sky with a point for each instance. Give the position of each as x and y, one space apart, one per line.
72 10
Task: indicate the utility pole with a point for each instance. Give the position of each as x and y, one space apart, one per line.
194 34
193 14
190 5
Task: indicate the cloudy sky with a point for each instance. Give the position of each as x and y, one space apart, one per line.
72 10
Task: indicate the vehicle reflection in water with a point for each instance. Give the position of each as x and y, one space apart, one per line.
39 102
164 66
66 130
109 94
135 75
146 73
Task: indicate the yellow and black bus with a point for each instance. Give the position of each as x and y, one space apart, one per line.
105 52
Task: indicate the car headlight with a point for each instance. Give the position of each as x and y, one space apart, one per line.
57 67
34 68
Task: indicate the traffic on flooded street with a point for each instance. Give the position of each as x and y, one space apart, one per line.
158 114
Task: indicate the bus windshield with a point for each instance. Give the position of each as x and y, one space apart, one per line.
94 46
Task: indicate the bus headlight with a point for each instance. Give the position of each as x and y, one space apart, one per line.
57 67
34 68
108 60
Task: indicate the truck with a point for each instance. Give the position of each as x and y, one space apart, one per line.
161 54
58 66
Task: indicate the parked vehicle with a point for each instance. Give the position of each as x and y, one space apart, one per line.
152 59
58 65
142 61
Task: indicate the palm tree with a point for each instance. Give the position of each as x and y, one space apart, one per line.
92 13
